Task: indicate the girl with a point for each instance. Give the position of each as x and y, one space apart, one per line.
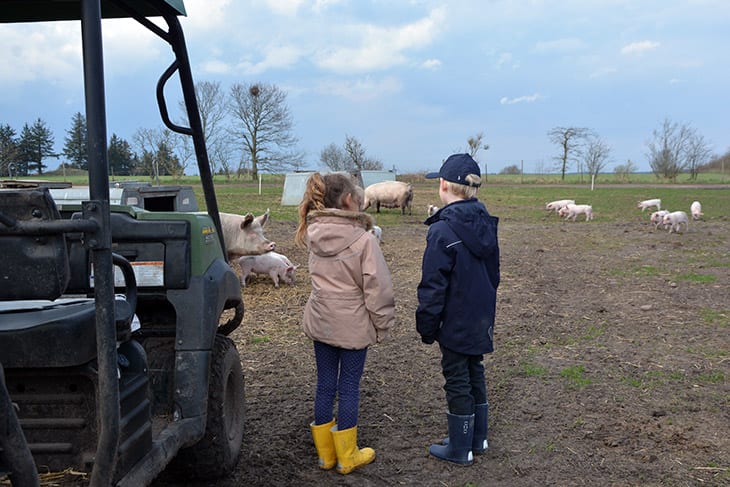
351 307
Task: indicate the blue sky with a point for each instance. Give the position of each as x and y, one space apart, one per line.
411 80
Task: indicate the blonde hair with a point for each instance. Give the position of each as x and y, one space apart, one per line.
323 191
465 191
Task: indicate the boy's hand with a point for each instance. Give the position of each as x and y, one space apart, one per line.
428 340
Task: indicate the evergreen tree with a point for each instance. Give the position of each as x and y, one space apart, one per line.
8 149
121 158
36 143
25 151
75 147
168 163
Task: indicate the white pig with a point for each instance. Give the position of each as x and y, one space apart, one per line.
432 209
675 220
244 235
657 218
572 211
377 231
643 205
557 204
272 263
696 210
390 194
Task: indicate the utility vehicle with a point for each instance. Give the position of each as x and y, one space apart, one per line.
114 360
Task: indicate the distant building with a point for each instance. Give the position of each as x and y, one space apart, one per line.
296 182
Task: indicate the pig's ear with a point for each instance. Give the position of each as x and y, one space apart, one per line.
247 220
290 268
263 218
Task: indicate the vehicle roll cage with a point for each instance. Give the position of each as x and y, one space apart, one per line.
96 212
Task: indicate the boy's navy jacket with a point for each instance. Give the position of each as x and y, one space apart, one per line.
457 294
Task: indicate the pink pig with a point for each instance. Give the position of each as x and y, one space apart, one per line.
244 234
274 264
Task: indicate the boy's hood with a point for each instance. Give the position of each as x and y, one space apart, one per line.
471 222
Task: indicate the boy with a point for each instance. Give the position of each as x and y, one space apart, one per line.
457 300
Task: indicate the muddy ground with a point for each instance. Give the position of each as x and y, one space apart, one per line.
612 366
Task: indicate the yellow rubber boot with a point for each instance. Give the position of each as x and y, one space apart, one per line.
322 437
349 456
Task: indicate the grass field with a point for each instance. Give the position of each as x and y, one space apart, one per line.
503 195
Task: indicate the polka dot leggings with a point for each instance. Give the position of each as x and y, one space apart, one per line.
338 374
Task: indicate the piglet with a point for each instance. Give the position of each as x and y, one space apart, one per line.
696 210
675 219
378 232
272 263
643 205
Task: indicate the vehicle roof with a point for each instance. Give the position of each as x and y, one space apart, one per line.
51 10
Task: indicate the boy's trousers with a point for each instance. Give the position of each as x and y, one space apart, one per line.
465 384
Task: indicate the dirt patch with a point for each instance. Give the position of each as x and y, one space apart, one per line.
611 366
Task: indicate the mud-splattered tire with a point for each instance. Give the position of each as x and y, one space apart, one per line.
216 454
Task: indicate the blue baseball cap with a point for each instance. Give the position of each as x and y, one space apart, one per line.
456 168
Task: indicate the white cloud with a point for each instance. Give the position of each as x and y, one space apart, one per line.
284 7
601 72
206 14
215 66
431 63
364 89
639 47
380 47
40 51
278 56
560 45
128 46
506 59
321 5
520 99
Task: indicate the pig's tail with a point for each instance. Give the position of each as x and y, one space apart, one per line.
313 199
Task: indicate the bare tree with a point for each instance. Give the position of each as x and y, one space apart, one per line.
351 157
160 152
625 170
358 159
263 128
570 140
596 155
475 144
668 149
698 153
213 112
334 158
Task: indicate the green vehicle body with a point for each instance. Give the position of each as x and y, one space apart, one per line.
115 355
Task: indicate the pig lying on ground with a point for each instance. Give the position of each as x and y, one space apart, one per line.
244 235
643 205
557 204
657 218
390 194
675 220
572 211
274 264
432 209
696 210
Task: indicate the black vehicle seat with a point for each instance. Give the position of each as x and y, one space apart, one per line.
39 328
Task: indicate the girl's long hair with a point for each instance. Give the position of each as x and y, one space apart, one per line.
322 192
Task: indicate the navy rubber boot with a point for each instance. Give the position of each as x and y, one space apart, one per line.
461 436
481 428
